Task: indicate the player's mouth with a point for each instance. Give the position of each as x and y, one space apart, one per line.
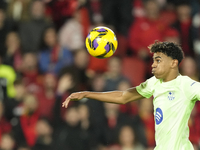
153 71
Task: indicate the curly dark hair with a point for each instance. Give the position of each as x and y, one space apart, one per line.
170 49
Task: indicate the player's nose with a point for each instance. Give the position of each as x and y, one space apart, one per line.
153 65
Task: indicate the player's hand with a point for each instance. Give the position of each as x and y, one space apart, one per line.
73 97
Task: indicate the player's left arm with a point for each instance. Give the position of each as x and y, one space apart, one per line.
117 97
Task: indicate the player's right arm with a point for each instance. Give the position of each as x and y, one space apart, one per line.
118 97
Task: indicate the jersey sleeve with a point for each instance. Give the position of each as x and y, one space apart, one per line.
195 90
192 89
146 88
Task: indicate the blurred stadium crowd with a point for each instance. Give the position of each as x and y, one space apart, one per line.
43 59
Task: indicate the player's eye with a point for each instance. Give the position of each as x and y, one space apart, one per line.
158 60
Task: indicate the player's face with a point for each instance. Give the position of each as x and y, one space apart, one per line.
161 65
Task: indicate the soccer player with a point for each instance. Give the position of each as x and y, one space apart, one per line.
174 97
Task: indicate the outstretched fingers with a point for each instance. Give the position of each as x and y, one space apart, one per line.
66 102
73 97
68 99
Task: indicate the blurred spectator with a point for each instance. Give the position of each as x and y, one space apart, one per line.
138 69
113 74
81 60
95 11
88 125
46 96
44 132
183 25
195 6
24 127
18 10
53 56
30 72
127 139
7 142
138 9
14 107
30 31
67 81
67 124
194 127
5 126
193 3
196 40
61 10
97 83
96 66
23 147
3 85
189 67
3 4
144 123
117 13
84 17
71 34
114 120
96 108
84 115
172 35
150 24
69 135
13 55
168 13
7 77
131 108
5 27
123 85
65 86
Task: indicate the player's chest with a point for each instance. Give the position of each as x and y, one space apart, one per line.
167 96
168 102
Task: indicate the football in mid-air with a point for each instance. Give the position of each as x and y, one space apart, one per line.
101 42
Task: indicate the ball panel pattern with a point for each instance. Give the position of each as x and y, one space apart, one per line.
101 42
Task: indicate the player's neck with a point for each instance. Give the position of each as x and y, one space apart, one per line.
172 76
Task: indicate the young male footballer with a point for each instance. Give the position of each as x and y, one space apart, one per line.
174 97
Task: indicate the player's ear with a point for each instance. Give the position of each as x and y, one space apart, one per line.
174 63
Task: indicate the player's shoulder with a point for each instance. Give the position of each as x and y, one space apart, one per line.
190 87
187 81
